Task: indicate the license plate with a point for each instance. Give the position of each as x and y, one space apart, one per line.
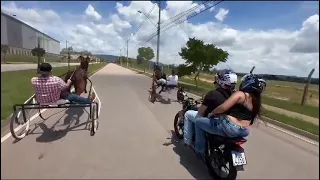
238 158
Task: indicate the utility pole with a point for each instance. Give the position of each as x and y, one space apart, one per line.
158 32
68 52
127 51
38 54
120 59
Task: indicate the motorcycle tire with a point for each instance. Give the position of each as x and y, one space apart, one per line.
232 175
177 127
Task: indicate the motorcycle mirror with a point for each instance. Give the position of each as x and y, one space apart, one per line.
252 69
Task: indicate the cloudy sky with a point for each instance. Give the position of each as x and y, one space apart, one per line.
276 37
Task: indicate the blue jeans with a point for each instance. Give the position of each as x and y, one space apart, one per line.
222 126
189 120
77 99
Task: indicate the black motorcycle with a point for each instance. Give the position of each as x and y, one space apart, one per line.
222 153
188 103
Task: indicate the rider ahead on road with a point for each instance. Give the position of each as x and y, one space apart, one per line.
159 77
241 109
226 81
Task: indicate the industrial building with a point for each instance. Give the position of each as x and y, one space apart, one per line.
22 38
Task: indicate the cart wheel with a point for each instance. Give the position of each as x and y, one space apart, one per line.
18 127
95 123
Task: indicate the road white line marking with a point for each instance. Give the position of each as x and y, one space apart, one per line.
7 136
20 126
291 134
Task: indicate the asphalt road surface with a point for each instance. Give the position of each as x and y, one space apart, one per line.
130 141
19 67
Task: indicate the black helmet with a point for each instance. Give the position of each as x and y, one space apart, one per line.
156 67
251 83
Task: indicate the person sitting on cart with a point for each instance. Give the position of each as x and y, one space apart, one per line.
172 81
50 89
159 77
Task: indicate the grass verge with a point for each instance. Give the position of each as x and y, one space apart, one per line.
16 86
295 122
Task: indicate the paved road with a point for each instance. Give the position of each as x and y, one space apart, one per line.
19 67
130 138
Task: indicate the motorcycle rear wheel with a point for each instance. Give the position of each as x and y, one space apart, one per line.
177 126
213 167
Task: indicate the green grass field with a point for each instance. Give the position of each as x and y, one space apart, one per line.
16 86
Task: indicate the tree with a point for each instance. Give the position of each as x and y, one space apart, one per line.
39 52
4 50
145 55
140 60
200 56
184 70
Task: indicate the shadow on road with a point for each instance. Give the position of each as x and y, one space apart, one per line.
187 158
161 99
50 134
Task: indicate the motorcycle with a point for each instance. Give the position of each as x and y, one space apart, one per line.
220 151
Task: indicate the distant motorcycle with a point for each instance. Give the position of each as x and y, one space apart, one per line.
221 152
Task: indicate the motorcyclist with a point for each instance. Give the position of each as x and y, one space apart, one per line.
225 82
159 77
241 109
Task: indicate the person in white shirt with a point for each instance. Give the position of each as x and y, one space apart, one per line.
172 81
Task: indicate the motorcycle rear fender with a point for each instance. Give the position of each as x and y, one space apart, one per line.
235 147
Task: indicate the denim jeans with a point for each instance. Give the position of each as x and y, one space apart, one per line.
221 125
77 99
189 120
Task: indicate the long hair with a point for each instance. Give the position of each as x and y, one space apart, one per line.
256 105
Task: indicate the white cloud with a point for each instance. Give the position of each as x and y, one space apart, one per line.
274 51
92 14
221 15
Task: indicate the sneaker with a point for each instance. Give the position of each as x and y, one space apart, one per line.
93 96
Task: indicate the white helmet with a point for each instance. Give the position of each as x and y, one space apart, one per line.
227 79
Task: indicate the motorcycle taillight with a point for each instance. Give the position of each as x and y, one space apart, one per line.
239 143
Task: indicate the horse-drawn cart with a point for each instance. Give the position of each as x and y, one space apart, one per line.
20 118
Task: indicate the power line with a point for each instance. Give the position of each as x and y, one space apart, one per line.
189 10
174 22
142 23
146 18
179 16
181 21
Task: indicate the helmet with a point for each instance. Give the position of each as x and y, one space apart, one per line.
226 79
156 67
252 83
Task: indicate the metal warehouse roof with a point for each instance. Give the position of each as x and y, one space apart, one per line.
8 16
